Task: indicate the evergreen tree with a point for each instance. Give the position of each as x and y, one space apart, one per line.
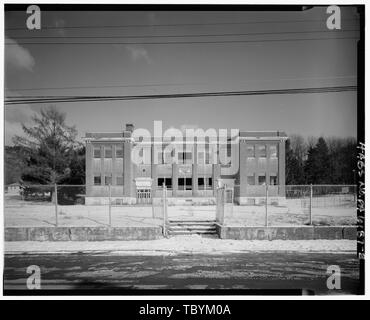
293 170
49 145
318 166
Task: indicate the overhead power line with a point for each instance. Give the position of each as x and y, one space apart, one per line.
166 84
323 20
70 99
180 42
182 35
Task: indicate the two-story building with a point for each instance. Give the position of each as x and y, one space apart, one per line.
190 169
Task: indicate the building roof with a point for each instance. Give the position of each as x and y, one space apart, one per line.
127 134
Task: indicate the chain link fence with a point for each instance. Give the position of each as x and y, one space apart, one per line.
61 205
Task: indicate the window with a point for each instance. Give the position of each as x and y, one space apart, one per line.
97 153
250 180
119 181
201 157
273 151
209 157
188 157
181 183
184 157
160 182
205 183
261 179
160 158
97 180
201 183
108 180
119 152
185 183
228 149
166 181
107 152
250 151
168 157
273 179
262 151
189 182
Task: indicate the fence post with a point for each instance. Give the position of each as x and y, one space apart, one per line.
164 199
110 205
311 191
56 204
266 214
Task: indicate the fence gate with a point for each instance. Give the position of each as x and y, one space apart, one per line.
144 196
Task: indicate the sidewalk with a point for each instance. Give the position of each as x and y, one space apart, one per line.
180 244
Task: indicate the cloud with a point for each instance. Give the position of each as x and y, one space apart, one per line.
15 116
18 57
138 53
11 130
18 113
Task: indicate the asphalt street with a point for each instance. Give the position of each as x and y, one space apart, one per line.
99 272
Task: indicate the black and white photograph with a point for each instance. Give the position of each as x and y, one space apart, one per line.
183 150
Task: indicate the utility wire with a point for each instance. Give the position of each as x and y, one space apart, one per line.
179 42
181 35
164 84
70 99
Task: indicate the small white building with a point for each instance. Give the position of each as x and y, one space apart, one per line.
14 188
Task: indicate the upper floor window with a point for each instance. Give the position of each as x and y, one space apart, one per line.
228 148
185 157
108 152
250 180
273 151
97 152
201 157
273 179
168 156
261 179
108 180
250 151
119 180
119 151
97 180
262 151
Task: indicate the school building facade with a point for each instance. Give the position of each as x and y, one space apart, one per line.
253 160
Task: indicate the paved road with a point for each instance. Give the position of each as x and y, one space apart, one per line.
238 271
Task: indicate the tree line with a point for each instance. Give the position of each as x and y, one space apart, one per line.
320 160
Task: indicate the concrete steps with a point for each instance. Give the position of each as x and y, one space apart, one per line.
192 227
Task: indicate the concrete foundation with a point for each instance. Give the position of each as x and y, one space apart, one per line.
82 233
288 233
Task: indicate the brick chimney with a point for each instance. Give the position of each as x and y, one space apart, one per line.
130 127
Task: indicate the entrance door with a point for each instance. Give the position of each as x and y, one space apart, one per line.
144 196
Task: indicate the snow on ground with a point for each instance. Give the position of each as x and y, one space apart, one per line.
182 244
31 214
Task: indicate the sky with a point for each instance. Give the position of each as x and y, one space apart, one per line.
139 69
